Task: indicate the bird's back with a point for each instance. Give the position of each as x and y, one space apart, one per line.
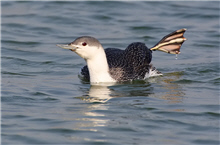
129 64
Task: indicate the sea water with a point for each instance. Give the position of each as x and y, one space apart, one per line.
44 102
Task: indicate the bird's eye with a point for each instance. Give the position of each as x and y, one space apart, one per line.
84 44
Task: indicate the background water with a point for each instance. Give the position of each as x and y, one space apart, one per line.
44 102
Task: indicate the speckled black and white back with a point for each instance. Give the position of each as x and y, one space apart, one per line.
133 63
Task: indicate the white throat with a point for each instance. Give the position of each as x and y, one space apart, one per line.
98 68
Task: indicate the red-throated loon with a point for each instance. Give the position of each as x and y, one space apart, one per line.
116 65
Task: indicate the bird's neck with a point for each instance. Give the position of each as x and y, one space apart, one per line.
98 68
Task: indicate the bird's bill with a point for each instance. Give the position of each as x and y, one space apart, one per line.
66 46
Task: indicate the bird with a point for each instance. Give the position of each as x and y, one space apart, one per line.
117 65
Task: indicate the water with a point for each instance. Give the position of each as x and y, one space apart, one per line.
44 102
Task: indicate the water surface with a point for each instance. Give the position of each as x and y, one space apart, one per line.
44 102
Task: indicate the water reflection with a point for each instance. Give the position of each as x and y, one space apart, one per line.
98 112
168 89
174 92
94 113
97 94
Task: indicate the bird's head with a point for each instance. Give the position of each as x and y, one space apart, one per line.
86 47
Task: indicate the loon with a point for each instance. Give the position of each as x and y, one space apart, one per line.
116 65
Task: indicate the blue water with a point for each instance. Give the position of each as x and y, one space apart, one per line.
44 102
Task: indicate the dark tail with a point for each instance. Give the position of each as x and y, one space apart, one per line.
171 43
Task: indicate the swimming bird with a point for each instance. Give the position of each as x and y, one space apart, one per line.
116 65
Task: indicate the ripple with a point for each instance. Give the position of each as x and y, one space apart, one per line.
205 141
102 17
144 28
21 42
20 138
16 74
61 130
50 99
15 116
186 81
215 81
213 114
39 94
22 99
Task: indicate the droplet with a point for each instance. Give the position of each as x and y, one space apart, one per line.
176 56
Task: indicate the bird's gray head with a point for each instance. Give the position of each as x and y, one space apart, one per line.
84 46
